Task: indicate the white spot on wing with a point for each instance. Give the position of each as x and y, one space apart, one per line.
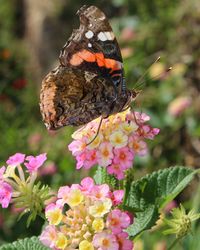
102 37
89 76
89 34
107 35
89 45
102 18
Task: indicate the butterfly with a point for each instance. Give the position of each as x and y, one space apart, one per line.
89 81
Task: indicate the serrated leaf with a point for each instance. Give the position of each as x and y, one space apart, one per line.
101 176
145 197
142 222
25 244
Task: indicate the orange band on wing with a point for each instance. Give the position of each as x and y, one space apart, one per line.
76 60
99 58
87 56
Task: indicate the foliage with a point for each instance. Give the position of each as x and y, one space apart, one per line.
25 244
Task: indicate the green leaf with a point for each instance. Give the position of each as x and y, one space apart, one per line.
32 243
145 197
101 176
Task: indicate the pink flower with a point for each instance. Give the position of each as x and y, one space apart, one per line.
5 194
63 194
139 147
119 138
105 154
123 157
101 191
124 243
49 236
35 162
90 214
91 159
87 184
76 147
117 170
141 117
81 159
117 220
105 241
2 170
147 132
118 196
16 159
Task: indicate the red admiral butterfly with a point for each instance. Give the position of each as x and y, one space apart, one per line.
89 82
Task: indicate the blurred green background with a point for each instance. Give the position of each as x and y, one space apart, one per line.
31 36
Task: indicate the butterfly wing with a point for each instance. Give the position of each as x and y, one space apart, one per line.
74 97
89 81
93 47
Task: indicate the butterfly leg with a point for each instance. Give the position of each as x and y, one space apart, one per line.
97 132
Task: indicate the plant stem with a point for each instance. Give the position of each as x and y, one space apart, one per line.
173 244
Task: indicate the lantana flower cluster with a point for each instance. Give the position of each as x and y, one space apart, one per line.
85 217
120 138
17 184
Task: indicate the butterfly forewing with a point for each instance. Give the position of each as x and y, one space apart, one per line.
92 47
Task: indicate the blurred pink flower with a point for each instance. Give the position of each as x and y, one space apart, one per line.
170 206
127 34
16 159
2 170
48 169
5 194
178 105
34 140
35 162
16 210
48 236
124 242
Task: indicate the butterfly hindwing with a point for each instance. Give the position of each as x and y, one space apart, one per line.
74 97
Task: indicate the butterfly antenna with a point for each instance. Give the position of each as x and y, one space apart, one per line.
162 74
96 132
155 77
141 78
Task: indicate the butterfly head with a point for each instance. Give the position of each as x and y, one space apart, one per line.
131 96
